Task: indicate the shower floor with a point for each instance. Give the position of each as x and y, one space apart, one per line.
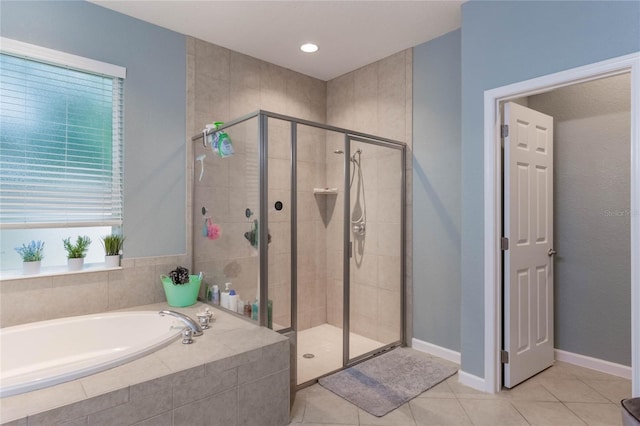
325 343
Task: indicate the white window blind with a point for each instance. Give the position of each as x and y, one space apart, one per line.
61 136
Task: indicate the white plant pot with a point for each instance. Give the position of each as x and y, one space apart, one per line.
31 268
112 261
75 264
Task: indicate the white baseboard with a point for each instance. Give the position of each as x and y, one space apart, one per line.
435 350
472 381
594 363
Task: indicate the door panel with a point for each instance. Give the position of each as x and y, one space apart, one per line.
528 223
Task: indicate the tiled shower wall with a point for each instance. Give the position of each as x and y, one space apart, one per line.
375 99
224 85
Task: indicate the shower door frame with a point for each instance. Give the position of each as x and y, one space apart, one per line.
348 247
349 135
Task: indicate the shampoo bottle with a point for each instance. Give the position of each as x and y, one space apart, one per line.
224 296
215 294
255 310
233 301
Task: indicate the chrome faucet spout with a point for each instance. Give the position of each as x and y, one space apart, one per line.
193 325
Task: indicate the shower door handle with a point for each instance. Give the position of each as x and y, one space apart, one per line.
350 249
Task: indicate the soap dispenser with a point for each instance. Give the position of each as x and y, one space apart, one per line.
224 296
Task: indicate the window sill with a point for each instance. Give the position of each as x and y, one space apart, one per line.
52 271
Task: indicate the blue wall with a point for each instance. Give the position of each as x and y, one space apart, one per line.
503 43
155 107
436 191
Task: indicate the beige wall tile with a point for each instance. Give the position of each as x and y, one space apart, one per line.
78 409
133 411
204 386
164 419
265 402
272 359
217 410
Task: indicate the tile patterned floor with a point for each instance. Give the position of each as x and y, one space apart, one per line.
562 395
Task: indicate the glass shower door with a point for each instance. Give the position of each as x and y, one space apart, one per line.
375 232
319 258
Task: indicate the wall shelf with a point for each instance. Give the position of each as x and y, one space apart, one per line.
325 191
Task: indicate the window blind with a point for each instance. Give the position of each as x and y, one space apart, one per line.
61 136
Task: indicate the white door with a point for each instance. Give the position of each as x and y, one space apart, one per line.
528 260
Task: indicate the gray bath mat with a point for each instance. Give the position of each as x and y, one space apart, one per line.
384 383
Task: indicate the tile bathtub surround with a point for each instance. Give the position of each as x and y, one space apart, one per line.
137 283
236 373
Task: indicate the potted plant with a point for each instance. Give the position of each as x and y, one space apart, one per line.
76 252
112 247
181 288
32 255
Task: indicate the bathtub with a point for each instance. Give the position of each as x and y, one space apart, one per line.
42 354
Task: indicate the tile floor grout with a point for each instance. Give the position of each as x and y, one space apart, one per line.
500 409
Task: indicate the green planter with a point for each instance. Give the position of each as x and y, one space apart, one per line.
181 295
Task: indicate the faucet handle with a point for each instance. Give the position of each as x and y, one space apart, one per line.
204 318
187 336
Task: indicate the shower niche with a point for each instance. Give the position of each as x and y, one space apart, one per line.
306 221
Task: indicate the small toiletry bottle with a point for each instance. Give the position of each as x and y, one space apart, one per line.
247 309
240 307
215 295
224 296
233 301
255 308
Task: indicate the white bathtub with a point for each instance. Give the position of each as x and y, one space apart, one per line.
41 354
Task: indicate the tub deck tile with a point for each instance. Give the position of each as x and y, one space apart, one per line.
178 384
137 371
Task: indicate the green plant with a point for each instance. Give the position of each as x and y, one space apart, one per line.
179 276
112 244
32 252
79 249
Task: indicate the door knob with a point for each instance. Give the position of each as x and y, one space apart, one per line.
551 252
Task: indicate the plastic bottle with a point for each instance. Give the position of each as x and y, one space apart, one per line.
255 310
233 301
224 296
215 295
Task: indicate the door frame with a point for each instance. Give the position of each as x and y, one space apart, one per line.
493 211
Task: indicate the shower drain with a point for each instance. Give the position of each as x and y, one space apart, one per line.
308 356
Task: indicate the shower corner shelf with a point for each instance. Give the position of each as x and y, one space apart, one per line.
325 191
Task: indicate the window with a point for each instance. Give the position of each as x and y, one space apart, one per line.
61 142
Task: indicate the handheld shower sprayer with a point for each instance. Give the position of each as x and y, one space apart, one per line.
201 158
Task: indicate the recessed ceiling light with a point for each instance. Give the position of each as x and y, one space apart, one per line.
309 48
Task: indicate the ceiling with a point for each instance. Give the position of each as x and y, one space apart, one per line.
350 34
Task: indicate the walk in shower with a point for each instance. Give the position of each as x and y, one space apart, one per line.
306 221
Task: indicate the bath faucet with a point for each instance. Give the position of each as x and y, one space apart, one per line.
194 326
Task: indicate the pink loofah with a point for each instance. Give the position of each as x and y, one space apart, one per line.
213 230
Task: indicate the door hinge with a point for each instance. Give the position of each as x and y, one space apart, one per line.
504 357
504 130
504 243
